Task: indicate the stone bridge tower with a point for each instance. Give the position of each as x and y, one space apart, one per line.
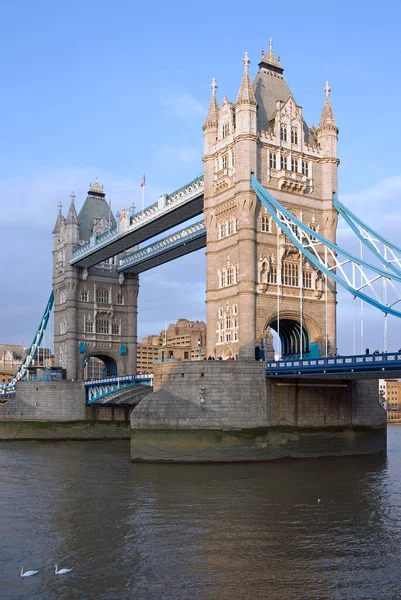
95 309
256 279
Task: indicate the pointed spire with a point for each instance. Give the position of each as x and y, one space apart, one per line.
60 219
212 117
95 189
269 57
72 216
245 94
327 119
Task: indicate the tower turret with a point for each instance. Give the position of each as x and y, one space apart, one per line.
327 133
245 107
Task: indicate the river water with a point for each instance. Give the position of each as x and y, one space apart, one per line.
207 532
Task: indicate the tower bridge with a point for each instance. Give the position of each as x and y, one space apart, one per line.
268 198
269 209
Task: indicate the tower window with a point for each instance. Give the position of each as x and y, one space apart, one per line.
226 129
294 136
283 162
265 223
120 299
102 326
88 327
283 133
84 296
115 328
272 161
305 168
102 296
307 279
294 164
290 274
272 275
225 161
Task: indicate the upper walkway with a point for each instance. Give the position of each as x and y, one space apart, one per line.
169 211
367 365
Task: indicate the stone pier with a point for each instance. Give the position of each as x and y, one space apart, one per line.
227 411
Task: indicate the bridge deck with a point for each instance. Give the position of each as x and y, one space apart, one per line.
178 244
366 365
181 206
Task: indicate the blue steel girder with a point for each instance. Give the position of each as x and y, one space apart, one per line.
332 260
377 365
96 389
178 244
170 211
31 353
382 248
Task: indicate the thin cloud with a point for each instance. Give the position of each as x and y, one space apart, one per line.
183 106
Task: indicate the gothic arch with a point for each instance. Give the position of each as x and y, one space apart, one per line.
291 334
112 364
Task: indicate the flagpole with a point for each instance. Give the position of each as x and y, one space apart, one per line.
143 191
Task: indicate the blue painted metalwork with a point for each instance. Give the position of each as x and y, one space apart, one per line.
123 350
359 364
30 355
357 226
82 348
175 240
95 389
274 208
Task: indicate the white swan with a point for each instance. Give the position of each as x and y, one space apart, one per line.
61 571
27 573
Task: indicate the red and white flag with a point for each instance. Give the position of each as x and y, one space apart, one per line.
143 181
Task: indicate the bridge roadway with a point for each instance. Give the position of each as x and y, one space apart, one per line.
178 244
386 365
170 211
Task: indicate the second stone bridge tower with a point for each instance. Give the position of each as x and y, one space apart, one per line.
256 279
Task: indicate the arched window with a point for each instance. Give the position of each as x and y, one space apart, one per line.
102 296
272 161
294 136
283 133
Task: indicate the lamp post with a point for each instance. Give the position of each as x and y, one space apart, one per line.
199 349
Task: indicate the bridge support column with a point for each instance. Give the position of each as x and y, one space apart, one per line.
132 322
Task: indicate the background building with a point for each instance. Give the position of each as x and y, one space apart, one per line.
11 356
392 395
184 340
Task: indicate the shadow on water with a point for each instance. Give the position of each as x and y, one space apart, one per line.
197 531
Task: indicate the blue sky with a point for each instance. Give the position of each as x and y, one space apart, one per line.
122 88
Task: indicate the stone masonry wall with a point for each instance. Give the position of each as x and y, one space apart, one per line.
46 401
236 395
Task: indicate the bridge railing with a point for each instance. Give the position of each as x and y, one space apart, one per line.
118 379
169 242
164 205
365 362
